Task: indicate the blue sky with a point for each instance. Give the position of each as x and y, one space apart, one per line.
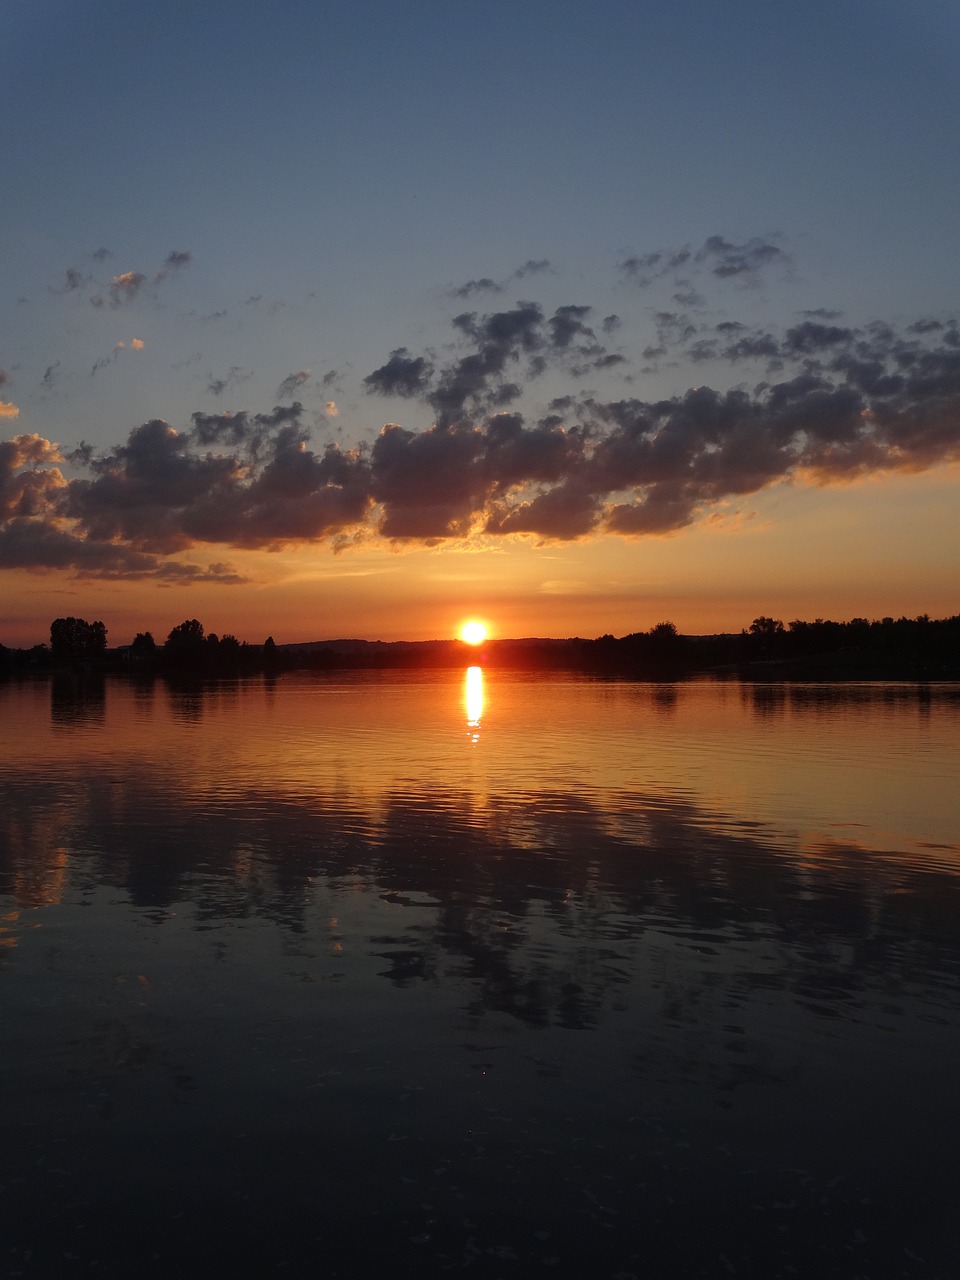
263 203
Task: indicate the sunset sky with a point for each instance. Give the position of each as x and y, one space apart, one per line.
358 319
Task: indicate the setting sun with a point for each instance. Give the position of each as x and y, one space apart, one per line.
473 633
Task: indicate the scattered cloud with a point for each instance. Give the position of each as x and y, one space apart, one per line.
234 375
292 383
126 286
532 267
717 256
136 344
817 400
484 285
73 280
174 261
402 375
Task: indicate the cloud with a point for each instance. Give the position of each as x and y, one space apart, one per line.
484 285
73 280
495 353
331 410
125 287
136 344
724 259
828 403
532 267
101 254
174 261
717 256
28 492
402 375
292 383
45 545
128 285
8 410
49 376
235 374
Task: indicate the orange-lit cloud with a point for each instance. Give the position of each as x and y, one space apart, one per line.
8 410
834 404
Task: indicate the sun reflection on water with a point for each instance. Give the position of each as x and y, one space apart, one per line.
473 696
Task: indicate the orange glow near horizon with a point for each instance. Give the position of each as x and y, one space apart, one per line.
473 632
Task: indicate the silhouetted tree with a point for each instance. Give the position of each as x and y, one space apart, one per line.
144 645
75 638
766 627
185 643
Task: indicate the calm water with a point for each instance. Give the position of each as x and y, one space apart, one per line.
402 975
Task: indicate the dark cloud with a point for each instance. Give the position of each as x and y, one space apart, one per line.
496 354
101 254
172 263
834 402
402 375
484 285
724 259
812 338
43 545
175 261
50 376
716 256
4 377
532 267
247 480
566 324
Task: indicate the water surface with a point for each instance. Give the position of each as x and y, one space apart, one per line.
409 974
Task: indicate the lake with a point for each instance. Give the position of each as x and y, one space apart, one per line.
479 973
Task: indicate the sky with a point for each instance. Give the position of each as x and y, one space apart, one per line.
355 320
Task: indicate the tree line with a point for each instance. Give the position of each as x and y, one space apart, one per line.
888 648
78 643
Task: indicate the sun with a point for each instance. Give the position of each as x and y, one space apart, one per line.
473 632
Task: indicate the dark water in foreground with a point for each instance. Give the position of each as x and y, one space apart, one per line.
346 978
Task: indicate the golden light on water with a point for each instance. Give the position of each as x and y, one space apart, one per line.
473 696
473 632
